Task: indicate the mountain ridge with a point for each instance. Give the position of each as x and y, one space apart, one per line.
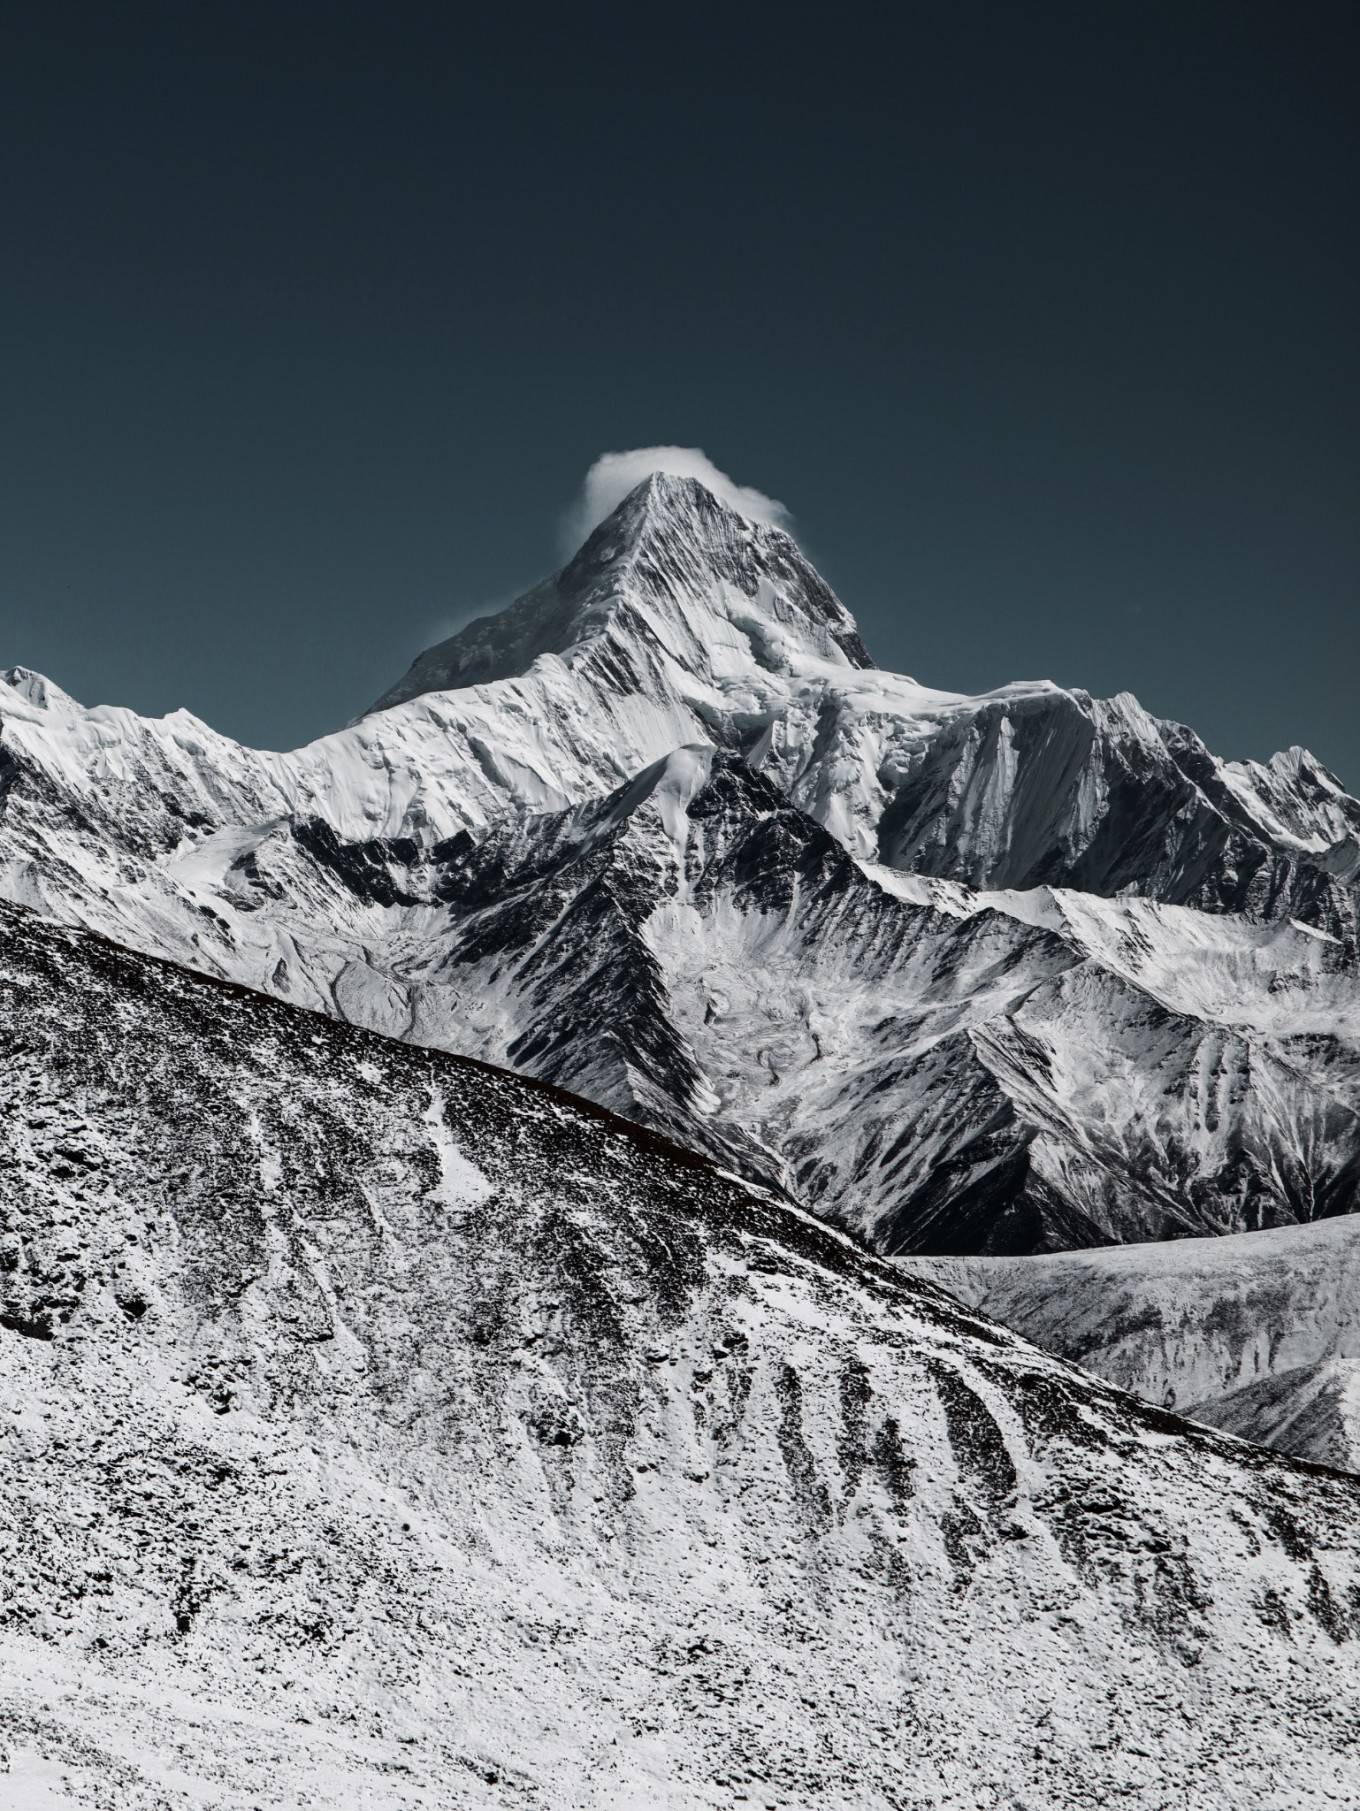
995 974
1031 784
1256 1333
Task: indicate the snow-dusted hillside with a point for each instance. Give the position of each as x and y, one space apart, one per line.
959 971
390 1431
1258 1333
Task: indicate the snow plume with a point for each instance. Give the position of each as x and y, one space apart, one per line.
613 475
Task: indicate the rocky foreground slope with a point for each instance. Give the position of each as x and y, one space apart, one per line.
1004 974
382 1429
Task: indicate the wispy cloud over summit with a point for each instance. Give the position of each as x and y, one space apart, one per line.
613 475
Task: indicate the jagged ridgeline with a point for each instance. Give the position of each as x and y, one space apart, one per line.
391 1429
968 975
385 1429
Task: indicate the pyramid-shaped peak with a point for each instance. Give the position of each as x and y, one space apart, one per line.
684 492
676 490
687 503
674 573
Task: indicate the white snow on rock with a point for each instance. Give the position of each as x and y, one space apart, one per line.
680 622
631 1486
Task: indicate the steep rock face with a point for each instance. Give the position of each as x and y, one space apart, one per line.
673 583
1096 795
390 1429
1258 1333
948 1072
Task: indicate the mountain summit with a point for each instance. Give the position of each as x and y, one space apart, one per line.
673 578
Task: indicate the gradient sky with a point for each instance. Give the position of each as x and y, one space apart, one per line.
1040 318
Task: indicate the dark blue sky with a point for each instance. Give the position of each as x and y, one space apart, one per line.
1041 319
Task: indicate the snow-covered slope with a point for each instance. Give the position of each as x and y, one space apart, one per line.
661 834
982 1073
387 1430
1258 1333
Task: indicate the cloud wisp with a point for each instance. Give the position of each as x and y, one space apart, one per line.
613 475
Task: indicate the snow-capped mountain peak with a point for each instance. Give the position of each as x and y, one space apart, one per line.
1301 804
673 583
34 688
